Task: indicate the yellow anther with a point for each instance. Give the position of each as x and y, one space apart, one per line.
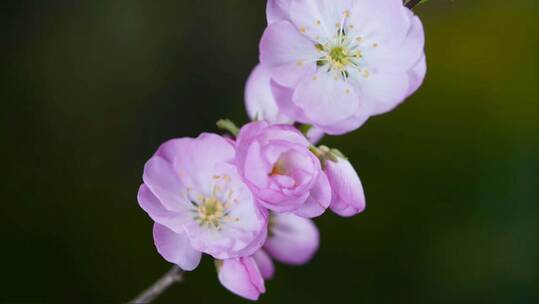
210 212
366 73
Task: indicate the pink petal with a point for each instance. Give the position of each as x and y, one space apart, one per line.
193 162
319 199
381 21
244 139
315 135
399 54
285 133
172 148
242 277
259 99
417 75
382 92
207 151
265 264
157 212
315 18
260 240
326 100
165 184
289 55
175 248
277 10
283 97
255 168
347 125
279 202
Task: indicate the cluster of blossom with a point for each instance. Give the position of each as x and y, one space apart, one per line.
325 67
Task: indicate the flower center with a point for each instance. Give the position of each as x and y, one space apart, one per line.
215 209
342 54
279 168
210 212
339 56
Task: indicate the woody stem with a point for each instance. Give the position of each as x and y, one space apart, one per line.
412 3
174 275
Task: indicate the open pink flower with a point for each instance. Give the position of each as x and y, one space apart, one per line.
333 64
275 161
199 203
348 198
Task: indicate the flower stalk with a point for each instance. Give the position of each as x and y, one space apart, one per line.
413 3
228 125
305 128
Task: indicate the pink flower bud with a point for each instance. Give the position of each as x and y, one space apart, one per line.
348 198
242 277
283 174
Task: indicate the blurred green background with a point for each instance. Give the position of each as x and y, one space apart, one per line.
89 89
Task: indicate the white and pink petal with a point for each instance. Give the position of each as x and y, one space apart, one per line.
175 248
287 54
326 99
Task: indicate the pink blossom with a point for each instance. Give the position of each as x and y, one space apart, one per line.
275 161
348 198
292 239
336 77
199 203
242 277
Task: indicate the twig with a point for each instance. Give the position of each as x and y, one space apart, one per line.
174 275
412 3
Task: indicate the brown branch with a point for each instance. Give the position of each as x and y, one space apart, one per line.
412 3
174 275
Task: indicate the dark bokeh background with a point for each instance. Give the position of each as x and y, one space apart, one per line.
89 89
